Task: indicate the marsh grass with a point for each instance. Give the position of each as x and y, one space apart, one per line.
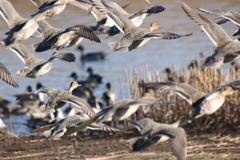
226 118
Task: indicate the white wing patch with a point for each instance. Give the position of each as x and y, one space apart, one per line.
209 36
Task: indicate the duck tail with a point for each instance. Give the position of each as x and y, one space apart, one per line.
47 133
35 46
113 45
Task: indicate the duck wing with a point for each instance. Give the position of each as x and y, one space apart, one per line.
215 32
23 53
229 15
9 14
6 76
80 103
184 90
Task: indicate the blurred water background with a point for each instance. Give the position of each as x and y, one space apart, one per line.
156 54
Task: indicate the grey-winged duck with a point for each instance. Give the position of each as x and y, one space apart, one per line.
59 39
144 125
59 6
131 32
225 46
87 5
58 98
119 111
55 97
136 19
35 67
184 90
20 28
101 19
212 101
104 25
203 104
227 16
109 96
160 132
125 108
6 76
156 35
58 128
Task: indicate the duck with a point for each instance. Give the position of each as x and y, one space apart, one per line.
103 23
154 133
95 78
134 37
109 96
91 56
58 128
184 90
59 6
58 98
232 16
119 111
7 77
59 39
124 108
55 96
136 18
225 47
87 5
36 67
203 104
20 28
144 125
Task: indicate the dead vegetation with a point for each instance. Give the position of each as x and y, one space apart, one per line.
100 146
224 120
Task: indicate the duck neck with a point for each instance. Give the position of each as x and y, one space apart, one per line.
71 88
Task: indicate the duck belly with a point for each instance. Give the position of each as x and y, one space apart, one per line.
125 113
213 105
45 69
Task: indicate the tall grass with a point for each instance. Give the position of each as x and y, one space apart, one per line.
226 118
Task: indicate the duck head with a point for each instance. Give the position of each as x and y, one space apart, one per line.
227 91
74 75
73 85
90 70
154 26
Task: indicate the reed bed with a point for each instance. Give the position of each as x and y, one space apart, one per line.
225 119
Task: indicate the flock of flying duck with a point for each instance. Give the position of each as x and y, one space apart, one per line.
111 20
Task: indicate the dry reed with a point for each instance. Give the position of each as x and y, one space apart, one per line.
226 118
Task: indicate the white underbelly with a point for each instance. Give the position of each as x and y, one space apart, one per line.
213 105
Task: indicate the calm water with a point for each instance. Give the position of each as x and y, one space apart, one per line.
157 54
